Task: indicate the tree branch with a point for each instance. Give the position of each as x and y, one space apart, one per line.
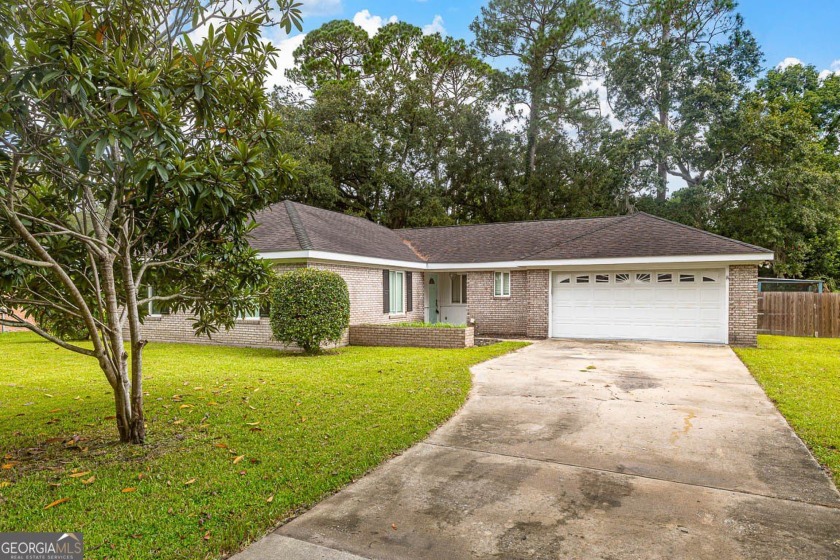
20 323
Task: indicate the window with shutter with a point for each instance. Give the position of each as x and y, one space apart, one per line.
409 292
386 291
396 290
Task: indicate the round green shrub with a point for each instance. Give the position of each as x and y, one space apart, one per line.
309 307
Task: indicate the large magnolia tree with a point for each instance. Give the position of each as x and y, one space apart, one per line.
136 144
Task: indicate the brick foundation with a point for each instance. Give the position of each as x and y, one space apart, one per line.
422 337
743 305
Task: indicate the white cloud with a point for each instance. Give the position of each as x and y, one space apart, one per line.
597 85
788 62
833 68
320 7
371 23
285 60
435 27
500 116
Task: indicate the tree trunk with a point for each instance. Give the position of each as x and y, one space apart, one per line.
137 432
533 134
129 408
664 120
131 430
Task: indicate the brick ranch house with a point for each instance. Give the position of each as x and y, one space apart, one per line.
626 277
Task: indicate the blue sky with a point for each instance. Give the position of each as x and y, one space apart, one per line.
803 29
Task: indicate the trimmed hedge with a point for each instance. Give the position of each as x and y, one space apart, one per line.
309 307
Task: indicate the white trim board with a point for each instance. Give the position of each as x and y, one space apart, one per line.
341 258
705 260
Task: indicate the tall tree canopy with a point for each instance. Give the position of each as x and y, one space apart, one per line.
779 184
552 45
387 121
413 130
674 68
132 158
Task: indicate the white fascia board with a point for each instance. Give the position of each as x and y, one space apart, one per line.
747 258
341 258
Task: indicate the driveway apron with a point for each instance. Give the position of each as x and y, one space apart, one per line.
578 450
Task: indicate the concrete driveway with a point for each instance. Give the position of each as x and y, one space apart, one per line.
571 449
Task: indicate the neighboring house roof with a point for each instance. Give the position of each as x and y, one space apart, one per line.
292 227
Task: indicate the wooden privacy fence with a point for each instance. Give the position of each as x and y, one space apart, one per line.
799 314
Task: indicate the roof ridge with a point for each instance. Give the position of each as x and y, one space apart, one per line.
575 238
343 214
686 226
546 220
297 226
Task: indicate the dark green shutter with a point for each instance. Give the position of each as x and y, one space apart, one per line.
386 291
409 306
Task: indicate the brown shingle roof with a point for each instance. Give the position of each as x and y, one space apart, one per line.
290 226
508 241
643 235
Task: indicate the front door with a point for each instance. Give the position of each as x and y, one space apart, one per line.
434 311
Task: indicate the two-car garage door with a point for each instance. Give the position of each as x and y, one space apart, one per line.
675 305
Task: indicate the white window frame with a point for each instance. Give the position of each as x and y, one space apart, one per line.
150 293
461 281
396 278
252 315
499 284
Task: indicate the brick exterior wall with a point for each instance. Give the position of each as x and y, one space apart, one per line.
178 328
422 337
538 282
363 283
743 305
524 313
365 287
18 313
500 316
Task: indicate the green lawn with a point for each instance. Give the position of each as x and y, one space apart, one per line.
802 376
239 439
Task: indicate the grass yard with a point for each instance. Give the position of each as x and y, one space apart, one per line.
238 439
802 376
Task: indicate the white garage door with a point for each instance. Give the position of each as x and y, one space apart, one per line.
677 305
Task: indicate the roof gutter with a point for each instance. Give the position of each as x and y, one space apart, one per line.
744 258
340 258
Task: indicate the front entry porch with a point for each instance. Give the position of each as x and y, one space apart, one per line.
446 298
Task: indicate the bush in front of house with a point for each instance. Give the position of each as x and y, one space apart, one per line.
309 307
